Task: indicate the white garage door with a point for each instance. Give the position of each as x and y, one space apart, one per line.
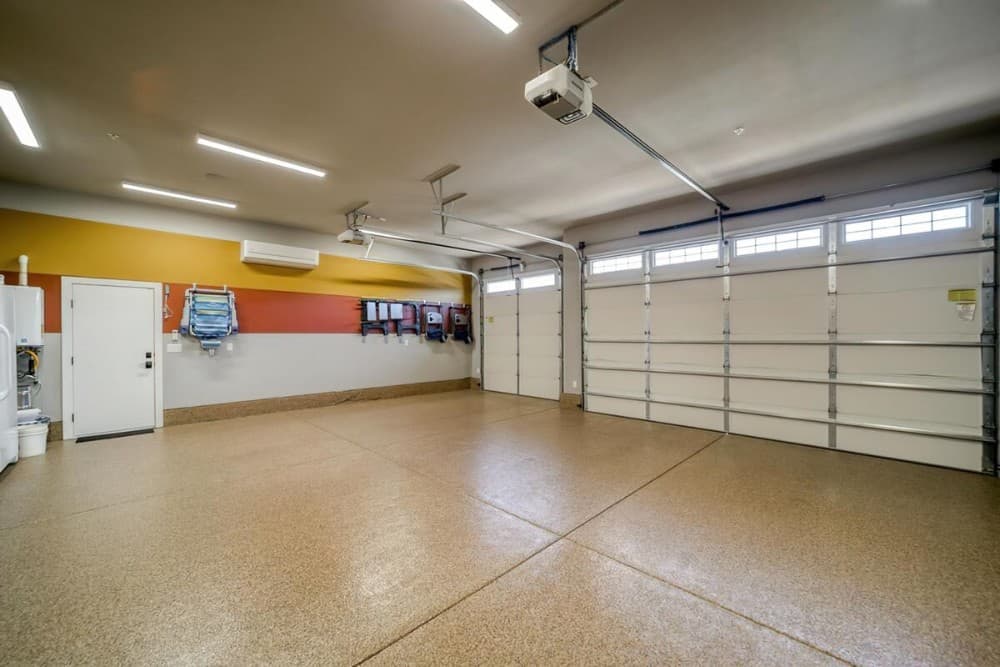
872 334
522 348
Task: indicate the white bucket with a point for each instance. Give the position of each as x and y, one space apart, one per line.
32 439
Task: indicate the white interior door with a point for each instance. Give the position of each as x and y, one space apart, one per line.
114 338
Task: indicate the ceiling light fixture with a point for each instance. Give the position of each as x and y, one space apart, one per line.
177 195
496 14
15 116
235 149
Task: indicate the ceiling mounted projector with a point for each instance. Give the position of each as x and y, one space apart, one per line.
353 236
562 94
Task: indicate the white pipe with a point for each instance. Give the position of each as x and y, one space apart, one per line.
22 277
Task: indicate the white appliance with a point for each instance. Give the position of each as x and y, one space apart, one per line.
273 254
29 316
8 378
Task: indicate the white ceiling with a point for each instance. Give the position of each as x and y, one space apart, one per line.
383 92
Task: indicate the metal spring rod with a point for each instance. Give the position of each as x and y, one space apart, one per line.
807 267
700 341
874 384
910 430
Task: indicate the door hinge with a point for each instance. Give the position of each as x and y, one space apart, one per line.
72 360
72 417
71 303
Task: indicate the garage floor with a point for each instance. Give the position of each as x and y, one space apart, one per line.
473 528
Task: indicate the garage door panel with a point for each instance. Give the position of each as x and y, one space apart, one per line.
500 304
691 321
959 363
540 387
500 374
616 313
787 317
535 301
786 430
807 359
615 406
700 356
912 314
933 273
769 395
616 382
922 449
539 323
540 346
786 284
540 366
712 420
615 354
893 405
686 388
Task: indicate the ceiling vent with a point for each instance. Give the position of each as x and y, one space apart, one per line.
272 254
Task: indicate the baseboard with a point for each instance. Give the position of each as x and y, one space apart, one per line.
55 432
204 413
569 400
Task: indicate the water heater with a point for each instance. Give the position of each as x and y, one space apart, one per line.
29 316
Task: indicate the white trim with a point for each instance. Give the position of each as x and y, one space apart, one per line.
69 428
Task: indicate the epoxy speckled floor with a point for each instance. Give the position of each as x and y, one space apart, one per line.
471 528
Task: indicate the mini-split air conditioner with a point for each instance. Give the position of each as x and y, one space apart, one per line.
272 254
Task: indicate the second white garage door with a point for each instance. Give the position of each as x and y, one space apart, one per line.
522 339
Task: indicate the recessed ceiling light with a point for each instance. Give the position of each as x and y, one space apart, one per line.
495 13
235 149
177 195
15 116
739 131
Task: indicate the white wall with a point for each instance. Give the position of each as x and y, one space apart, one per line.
864 172
273 365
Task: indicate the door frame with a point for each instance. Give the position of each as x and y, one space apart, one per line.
68 403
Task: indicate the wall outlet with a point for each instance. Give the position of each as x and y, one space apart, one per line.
175 336
574 384
174 347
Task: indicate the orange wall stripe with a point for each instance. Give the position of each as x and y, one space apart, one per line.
264 311
259 311
67 246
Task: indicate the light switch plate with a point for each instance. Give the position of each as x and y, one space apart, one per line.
229 347
174 347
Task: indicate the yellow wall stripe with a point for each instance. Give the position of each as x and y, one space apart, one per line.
71 247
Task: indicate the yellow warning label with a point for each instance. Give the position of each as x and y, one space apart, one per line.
962 295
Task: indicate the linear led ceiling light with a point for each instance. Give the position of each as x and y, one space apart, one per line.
496 14
177 195
235 149
15 116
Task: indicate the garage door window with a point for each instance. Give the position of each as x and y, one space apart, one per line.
701 252
613 264
497 286
538 281
921 222
811 237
